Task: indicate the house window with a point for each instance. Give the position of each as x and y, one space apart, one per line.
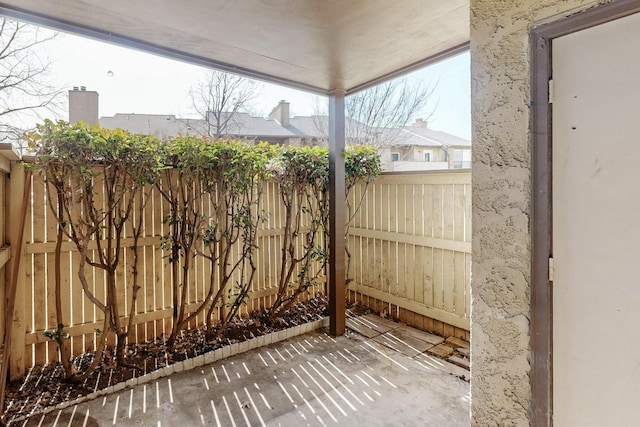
395 157
461 159
428 155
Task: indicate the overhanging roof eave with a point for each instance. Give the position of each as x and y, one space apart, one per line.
124 41
180 55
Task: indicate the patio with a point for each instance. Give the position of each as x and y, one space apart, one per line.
328 70
311 379
511 71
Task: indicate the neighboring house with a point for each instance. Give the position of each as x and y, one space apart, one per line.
414 147
241 126
417 147
83 105
312 130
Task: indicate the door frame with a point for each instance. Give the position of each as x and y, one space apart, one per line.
541 311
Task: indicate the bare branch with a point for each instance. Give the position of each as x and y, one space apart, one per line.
218 98
376 116
24 68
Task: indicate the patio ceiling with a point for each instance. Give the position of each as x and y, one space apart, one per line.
314 45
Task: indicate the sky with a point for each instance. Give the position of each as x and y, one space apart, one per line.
130 81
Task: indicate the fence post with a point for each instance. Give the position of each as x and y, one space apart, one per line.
15 227
4 244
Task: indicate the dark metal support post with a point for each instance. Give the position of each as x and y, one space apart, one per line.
337 291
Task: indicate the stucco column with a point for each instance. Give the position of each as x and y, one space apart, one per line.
336 213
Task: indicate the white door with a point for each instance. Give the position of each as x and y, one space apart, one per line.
596 225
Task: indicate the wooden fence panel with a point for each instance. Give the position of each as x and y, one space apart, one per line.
416 258
154 299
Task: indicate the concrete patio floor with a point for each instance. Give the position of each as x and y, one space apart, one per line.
312 379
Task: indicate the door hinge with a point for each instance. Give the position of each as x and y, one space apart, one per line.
550 91
551 269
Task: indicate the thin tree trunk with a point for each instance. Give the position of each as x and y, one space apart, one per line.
63 344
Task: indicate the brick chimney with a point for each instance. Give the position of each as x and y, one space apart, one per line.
421 123
281 113
83 105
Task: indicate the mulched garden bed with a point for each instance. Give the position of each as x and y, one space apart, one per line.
43 386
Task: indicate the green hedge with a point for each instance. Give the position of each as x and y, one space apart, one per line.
74 157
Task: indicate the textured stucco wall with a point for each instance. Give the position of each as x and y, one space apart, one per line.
501 203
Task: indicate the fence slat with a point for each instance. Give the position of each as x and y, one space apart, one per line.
459 214
77 304
448 282
459 288
157 260
39 285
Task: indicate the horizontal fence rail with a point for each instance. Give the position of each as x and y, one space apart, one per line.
410 253
410 246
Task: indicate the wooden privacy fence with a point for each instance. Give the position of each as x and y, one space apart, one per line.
410 245
36 311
